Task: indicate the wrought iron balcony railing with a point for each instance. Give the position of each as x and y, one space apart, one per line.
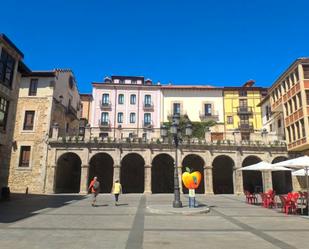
244 110
245 126
105 104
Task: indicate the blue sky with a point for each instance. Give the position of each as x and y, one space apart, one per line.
221 43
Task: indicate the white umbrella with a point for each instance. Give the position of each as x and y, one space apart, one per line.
298 163
300 172
264 167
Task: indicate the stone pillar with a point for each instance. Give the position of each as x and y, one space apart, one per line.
237 137
267 181
208 180
238 181
50 179
208 136
116 174
87 133
84 179
55 131
237 175
147 189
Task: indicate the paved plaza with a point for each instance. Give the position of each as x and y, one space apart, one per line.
69 221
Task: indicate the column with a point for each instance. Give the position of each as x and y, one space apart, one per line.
267 180
238 181
147 189
50 179
84 179
208 180
116 174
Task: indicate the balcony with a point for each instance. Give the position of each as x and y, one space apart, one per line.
105 105
244 110
148 106
147 124
245 126
104 123
209 116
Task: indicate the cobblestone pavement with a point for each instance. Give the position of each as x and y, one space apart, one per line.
69 221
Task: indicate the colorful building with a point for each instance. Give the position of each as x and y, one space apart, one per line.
241 110
289 96
126 107
199 103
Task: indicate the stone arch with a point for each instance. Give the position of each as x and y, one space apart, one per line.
252 180
195 163
68 173
101 165
162 174
222 174
282 180
132 173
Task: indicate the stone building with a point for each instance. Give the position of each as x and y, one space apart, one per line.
10 68
46 98
148 167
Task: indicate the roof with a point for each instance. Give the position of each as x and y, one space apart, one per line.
39 74
11 44
23 68
187 87
263 100
86 95
283 75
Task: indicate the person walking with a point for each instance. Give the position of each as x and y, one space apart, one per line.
95 189
117 190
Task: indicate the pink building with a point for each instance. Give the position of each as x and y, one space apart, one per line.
126 106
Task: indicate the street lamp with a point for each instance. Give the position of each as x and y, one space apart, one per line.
176 132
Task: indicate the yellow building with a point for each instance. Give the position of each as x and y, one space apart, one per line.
240 108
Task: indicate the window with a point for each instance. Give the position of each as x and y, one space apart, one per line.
133 99
120 117
267 112
176 108
208 109
270 127
134 82
104 118
243 103
24 159
7 64
29 120
105 99
4 109
298 130
230 119
67 127
132 118
147 100
307 97
242 93
303 127
295 103
33 87
147 118
279 123
120 99
286 109
289 133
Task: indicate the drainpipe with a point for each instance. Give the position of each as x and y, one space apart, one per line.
115 112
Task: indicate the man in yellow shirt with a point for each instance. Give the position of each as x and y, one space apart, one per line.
117 191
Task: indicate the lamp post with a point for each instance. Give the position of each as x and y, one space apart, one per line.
176 132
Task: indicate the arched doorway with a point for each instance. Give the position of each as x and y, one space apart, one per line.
101 166
282 180
162 174
68 173
222 175
195 163
132 173
252 180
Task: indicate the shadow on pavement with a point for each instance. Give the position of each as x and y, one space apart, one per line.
22 206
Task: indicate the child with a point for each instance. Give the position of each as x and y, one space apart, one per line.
117 191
